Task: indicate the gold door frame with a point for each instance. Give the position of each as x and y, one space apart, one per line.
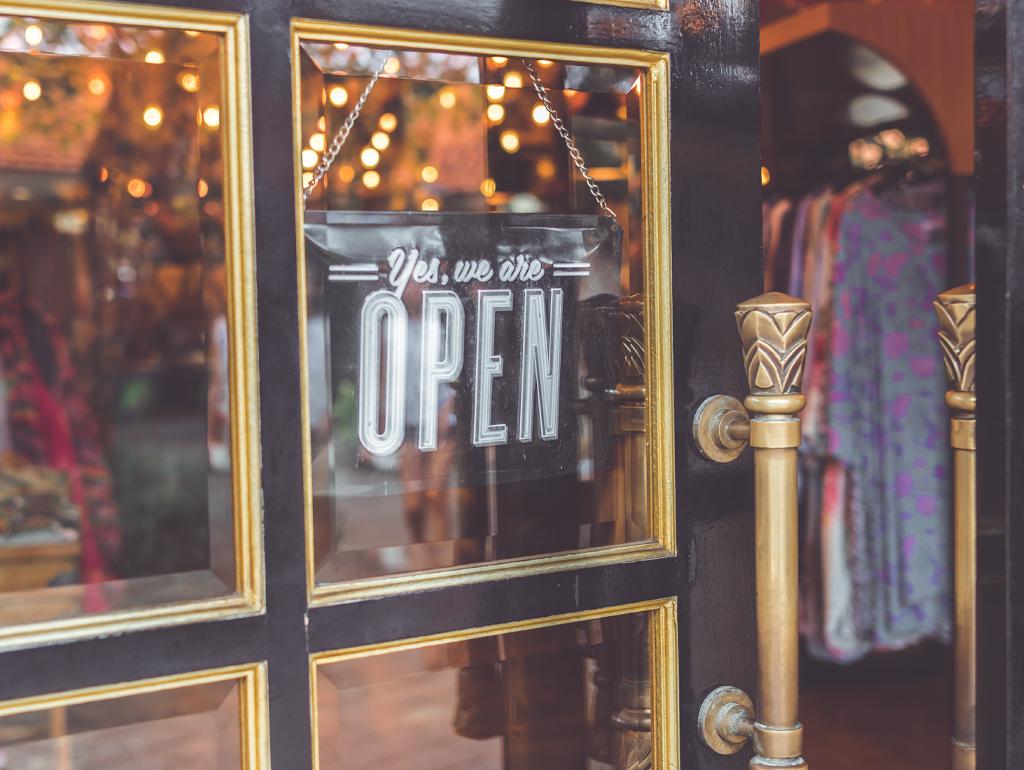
656 217
236 147
664 651
252 707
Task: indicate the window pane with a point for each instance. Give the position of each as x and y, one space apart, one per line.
115 469
474 318
196 727
576 695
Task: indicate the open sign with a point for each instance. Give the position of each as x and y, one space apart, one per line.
457 333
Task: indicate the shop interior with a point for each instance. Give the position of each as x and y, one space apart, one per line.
867 152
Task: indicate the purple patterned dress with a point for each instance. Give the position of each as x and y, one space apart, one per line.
887 419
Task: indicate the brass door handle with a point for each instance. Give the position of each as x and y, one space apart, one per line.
955 309
773 329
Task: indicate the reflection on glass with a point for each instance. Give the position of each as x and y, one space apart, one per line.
493 407
195 727
114 426
568 697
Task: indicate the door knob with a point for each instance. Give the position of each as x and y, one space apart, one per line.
955 309
773 329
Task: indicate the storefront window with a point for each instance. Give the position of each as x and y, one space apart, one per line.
475 311
138 726
115 426
573 695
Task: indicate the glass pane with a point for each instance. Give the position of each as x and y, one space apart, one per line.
562 697
196 727
474 317
115 469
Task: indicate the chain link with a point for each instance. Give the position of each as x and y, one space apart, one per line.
573 152
339 138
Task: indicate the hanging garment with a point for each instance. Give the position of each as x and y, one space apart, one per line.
887 420
51 424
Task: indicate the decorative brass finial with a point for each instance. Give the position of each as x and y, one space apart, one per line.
774 329
955 309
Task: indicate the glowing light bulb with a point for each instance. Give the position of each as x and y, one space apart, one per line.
321 123
541 115
136 188
371 179
190 82
447 98
510 141
97 86
380 140
316 142
341 46
765 176
153 117
33 34
544 62
429 174
499 60
513 80
496 113
487 188
154 57
388 122
191 33
338 96
392 66
369 157
96 31
429 205
203 188
211 117
32 90
309 158
494 93
346 174
307 177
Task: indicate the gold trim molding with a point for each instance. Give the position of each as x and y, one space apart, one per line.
651 5
656 218
236 145
252 703
664 647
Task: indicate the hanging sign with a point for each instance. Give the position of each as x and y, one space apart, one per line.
457 335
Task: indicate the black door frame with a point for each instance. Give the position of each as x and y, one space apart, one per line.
716 233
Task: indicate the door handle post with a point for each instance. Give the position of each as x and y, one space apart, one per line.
955 309
773 329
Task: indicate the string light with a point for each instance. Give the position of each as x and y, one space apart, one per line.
154 57
346 174
429 205
189 81
137 188
388 122
321 123
380 140
309 158
341 46
191 33
32 90
203 188
447 98
513 80
499 60
339 96
316 142
392 66
541 115
765 176
371 179
97 86
153 117
496 113
211 117
369 157
429 174
510 141
494 93
487 188
33 34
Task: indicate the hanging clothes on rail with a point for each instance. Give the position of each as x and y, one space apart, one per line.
875 459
